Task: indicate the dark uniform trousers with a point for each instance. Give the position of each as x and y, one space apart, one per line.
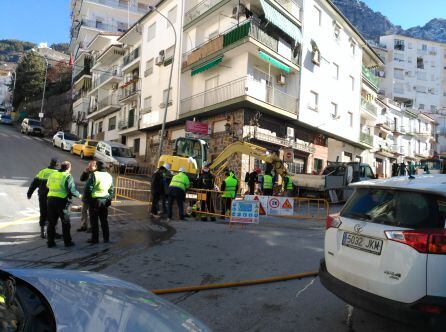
43 203
226 205
208 206
267 192
178 195
98 208
58 208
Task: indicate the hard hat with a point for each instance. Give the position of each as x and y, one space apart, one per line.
182 170
167 166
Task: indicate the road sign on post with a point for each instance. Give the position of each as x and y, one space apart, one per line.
41 115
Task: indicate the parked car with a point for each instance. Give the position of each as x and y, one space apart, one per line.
31 126
5 119
84 148
64 140
386 251
116 154
64 300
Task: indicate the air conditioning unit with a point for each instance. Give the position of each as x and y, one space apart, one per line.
238 10
115 86
281 79
159 60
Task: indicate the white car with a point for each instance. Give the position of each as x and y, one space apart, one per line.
64 140
386 250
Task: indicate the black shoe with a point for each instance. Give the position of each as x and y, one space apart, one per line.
51 244
57 236
69 244
88 230
92 241
82 229
42 232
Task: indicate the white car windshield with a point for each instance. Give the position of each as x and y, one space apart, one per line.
70 137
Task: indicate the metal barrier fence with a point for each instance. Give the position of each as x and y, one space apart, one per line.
132 189
132 170
309 208
208 203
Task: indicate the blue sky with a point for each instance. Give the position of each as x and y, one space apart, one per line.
49 20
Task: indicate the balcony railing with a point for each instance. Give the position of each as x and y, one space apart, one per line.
85 71
130 88
199 10
110 100
106 75
127 123
369 106
373 80
104 26
293 7
366 138
140 8
241 87
131 56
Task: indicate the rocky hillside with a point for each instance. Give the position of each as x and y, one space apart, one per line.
374 24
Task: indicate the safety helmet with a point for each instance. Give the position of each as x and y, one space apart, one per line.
182 170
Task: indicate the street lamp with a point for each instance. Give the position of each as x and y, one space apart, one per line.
44 82
166 104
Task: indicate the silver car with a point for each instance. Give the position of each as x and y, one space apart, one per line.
74 301
31 126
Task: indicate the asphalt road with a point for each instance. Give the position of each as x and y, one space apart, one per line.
163 255
22 157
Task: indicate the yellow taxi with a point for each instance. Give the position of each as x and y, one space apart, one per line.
84 148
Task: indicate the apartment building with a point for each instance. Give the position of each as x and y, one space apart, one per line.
415 75
6 77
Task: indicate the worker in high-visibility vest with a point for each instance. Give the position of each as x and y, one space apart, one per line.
40 182
288 187
229 189
177 192
267 184
61 189
99 191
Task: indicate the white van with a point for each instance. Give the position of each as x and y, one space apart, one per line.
115 153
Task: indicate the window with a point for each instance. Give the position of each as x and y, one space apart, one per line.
335 71
398 74
350 119
317 14
352 46
420 63
99 23
147 104
424 47
149 68
172 16
165 97
433 108
168 55
100 127
421 106
318 165
112 123
333 110
314 99
432 64
352 80
398 44
398 57
409 59
122 27
315 53
151 31
421 75
136 144
336 29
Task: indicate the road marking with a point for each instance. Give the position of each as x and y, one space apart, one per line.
21 221
4 135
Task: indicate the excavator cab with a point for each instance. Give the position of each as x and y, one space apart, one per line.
189 153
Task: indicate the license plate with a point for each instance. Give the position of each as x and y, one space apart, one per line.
364 243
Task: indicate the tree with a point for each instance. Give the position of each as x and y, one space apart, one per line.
59 78
61 47
30 75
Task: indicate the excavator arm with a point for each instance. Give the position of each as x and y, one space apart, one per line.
249 149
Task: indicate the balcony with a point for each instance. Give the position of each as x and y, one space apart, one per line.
132 56
128 123
370 78
85 71
130 88
200 9
369 107
234 35
108 76
140 8
366 138
242 89
103 26
398 149
104 107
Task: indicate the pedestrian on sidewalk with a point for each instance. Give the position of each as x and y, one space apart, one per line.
99 192
206 181
177 192
158 190
91 167
61 189
40 181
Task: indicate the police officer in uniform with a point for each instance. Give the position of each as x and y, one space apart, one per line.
40 182
177 192
267 184
229 187
288 188
99 192
206 181
61 189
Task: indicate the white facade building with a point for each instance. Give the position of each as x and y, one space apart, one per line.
6 78
415 76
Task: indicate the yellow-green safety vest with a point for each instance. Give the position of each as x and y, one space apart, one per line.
102 183
267 182
180 181
56 184
289 185
230 187
45 173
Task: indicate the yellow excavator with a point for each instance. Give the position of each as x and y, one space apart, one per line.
191 153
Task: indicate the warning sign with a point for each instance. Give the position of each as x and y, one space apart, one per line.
245 212
278 206
286 204
273 203
263 202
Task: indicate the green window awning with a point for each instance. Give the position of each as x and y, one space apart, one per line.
280 21
274 62
207 65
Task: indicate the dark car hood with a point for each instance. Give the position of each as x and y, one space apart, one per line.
87 301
